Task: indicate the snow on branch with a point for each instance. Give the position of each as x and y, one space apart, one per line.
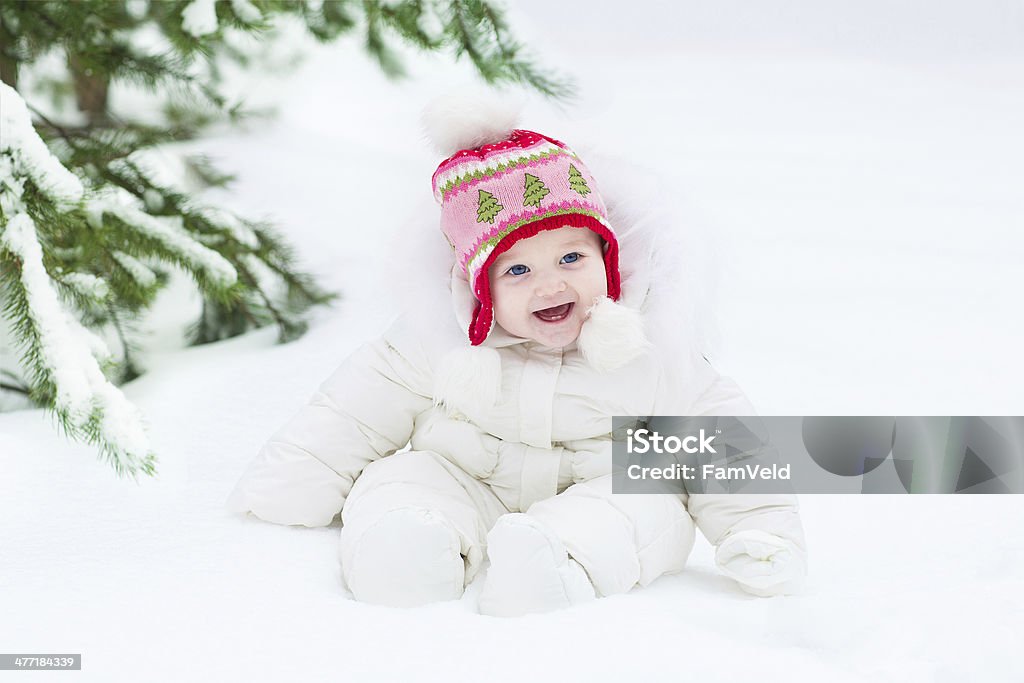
64 353
199 18
168 231
87 285
139 271
246 11
29 154
84 396
229 223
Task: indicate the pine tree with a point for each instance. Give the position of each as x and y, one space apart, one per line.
487 207
577 182
534 191
89 235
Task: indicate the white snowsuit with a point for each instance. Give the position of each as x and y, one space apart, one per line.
415 523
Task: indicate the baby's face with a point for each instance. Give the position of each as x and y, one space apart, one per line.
543 286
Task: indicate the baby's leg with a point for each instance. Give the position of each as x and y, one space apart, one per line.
414 529
617 540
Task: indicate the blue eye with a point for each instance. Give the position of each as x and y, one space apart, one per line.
571 257
518 269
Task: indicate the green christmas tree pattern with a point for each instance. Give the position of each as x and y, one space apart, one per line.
534 191
576 181
487 207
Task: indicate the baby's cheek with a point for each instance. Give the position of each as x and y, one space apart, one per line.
500 302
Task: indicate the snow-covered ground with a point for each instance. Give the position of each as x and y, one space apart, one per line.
867 212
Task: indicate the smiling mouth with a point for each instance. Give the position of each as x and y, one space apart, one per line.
555 314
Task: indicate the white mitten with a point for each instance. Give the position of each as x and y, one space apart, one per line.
762 563
459 441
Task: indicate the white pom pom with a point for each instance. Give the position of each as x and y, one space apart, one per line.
612 336
469 118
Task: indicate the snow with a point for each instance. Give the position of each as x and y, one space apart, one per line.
246 11
56 340
93 342
239 231
168 231
29 155
138 270
199 18
865 205
429 21
87 285
69 352
137 8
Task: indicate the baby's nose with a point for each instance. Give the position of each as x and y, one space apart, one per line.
551 286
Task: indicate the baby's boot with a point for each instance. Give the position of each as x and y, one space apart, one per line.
530 571
407 557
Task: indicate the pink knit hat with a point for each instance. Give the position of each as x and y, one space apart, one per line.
495 194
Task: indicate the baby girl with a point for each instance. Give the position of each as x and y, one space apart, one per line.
506 408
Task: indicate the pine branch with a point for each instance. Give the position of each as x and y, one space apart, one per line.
325 24
103 231
16 389
129 370
524 71
475 21
389 62
287 329
15 385
69 381
302 293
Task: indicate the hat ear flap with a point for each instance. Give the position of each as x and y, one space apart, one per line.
612 336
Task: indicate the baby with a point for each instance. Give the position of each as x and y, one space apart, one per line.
506 407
